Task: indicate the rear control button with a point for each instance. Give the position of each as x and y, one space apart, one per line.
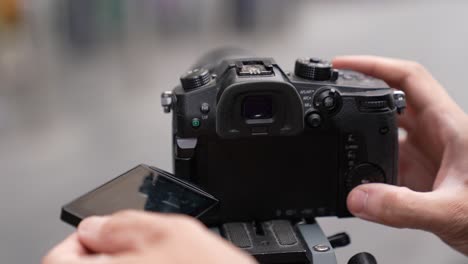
313 120
328 100
205 108
196 123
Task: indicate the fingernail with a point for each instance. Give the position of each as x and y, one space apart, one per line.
358 201
90 226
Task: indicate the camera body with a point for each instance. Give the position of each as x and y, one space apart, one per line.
270 144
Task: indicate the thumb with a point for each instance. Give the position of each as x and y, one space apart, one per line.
128 231
396 206
121 232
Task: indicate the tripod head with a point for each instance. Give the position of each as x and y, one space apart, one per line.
281 242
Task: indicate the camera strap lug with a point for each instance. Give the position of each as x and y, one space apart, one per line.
167 100
400 101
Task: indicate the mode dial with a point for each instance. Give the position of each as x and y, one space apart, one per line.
315 69
195 78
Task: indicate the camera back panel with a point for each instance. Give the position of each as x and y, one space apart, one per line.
276 145
270 177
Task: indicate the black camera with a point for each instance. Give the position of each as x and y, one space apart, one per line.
273 144
260 152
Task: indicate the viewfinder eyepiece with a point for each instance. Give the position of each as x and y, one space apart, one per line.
258 107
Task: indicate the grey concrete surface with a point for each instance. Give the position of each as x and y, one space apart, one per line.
70 123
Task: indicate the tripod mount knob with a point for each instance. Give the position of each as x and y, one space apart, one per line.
362 258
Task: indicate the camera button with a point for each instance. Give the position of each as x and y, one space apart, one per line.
329 102
205 108
196 123
364 173
314 120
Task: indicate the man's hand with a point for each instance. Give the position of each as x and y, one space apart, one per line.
433 157
71 251
144 238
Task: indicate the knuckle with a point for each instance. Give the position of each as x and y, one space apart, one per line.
413 70
393 203
415 67
171 226
112 227
156 229
392 198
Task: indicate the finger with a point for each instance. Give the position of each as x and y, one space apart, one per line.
403 160
128 230
396 206
142 258
415 170
71 251
420 87
71 246
111 234
406 120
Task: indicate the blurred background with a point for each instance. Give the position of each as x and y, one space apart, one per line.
80 82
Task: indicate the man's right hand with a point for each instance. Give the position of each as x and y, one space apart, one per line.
433 157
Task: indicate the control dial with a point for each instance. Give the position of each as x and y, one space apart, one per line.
364 173
327 100
315 69
195 78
